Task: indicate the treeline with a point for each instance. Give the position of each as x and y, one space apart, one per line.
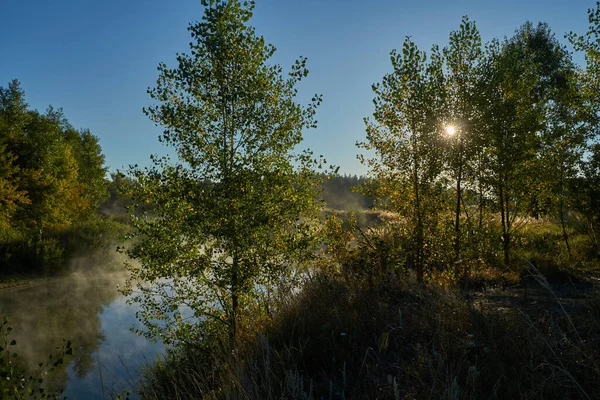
509 126
343 192
52 180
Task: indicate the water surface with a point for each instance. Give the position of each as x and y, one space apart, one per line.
88 310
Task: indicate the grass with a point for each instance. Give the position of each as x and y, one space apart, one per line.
341 340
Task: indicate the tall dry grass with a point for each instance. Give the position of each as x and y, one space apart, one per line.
341 339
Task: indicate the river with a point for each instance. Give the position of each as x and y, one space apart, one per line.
88 310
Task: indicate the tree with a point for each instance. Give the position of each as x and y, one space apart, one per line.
14 111
51 176
462 58
521 75
11 196
589 44
406 137
237 211
90 166
584 187
586 198
13 119
570 122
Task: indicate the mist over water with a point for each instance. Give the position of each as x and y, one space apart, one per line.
87 309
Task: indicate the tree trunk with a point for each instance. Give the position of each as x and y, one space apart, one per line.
561 211
564 229
234 304
481 198
505 228
419 244
457 221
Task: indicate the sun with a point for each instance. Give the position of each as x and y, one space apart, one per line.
450 130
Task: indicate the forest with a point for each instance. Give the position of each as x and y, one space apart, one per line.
52 182
465 265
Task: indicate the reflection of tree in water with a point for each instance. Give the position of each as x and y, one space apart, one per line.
68 308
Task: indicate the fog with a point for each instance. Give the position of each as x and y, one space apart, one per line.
86 308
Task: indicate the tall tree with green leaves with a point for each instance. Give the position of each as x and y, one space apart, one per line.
13 120
584 187
521 74
52 180
570 123
14 112
406 138
238 210
90 165
462 57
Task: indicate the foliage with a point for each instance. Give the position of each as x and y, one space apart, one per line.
527 74
51 178
521 120
586 199
463 57
405 137
589 45
10 195
585 186
237 213
510 195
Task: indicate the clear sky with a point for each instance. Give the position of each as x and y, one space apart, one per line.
95 59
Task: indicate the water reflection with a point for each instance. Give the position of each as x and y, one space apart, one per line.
86 309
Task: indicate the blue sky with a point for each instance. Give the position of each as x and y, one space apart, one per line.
97 58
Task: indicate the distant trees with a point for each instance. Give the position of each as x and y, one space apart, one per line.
51 176
237 212
342 192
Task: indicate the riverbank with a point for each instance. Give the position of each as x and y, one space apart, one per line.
14 281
